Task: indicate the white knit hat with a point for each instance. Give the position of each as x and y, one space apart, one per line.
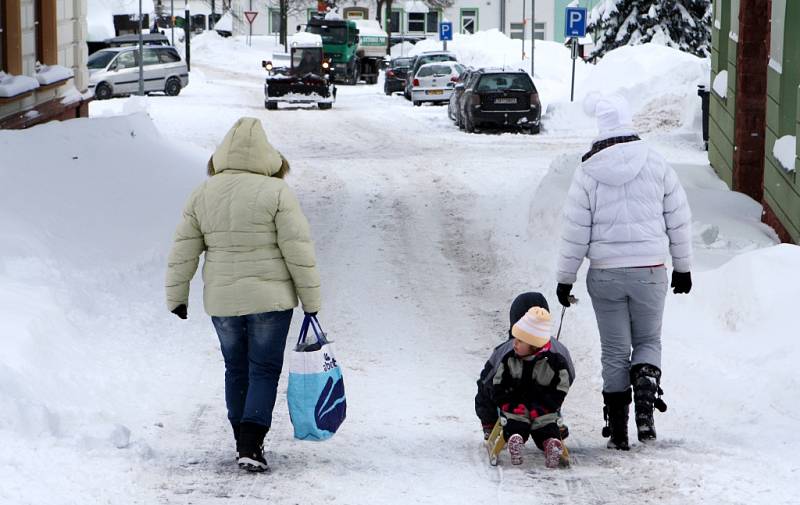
613 113
534 328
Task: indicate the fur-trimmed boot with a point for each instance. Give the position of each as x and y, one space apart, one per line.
250 446
615 413
646 381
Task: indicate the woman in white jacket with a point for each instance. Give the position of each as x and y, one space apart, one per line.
625 209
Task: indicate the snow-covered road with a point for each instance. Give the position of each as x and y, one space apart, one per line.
424 236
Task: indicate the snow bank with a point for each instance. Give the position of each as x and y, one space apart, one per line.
785 151
491 48
210 48
305 39
85 224
660 82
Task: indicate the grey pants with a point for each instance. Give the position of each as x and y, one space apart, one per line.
629 306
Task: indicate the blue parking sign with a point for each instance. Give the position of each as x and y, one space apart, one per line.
446 30
575 22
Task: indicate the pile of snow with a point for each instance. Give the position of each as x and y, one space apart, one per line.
210 48
48 74
660 82
785 151
491 48
100 16
13 85
87 211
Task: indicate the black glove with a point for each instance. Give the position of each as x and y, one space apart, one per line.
562 292
180 311
682 282
310 314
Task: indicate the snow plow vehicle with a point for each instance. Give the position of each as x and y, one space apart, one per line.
304 76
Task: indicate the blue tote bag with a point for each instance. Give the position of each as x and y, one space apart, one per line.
317 404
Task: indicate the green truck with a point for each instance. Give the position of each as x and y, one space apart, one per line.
356 48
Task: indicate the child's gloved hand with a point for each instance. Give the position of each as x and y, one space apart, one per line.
180 311
562 292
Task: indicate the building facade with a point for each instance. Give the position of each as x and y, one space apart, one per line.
755 74
43 61
418 18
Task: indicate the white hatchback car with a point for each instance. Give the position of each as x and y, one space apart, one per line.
115 71
434 82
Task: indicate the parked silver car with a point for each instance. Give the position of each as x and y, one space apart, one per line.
115 71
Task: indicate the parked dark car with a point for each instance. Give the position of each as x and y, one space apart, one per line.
454 107
396 75
421 59
501 98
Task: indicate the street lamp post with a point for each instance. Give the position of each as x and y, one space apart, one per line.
172 19
187 26
533 34
141 52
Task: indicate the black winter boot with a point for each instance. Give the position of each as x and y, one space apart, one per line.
251 447
646 381
615 413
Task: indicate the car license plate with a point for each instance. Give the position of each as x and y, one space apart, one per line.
506 100
435 92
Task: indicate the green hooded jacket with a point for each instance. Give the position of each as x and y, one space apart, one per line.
259 256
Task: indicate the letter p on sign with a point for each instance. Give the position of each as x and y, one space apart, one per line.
576 22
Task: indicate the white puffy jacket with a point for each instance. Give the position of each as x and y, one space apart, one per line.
624 208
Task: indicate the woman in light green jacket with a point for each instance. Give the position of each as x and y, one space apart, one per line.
259 258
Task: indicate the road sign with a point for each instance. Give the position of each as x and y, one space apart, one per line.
446 30
576 22
251 16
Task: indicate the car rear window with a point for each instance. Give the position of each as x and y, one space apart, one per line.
433 58
430 70
402 62
168 56
504 82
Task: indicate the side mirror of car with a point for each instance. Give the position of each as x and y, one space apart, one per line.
299 27
460 85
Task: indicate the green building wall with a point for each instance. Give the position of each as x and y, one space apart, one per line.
781 188
721 121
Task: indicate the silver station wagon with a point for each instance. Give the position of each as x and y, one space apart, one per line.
115 71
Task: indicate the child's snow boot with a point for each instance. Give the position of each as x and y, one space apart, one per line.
615 413
251 447
515 445
646 380
554 452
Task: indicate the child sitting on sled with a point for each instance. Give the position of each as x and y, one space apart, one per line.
527 384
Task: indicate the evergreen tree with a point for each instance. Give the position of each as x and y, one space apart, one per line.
683 24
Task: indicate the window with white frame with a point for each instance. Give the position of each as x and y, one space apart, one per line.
274 21
432 22
517 30
539 30
396 21
469 20
734 30
416 22
776 37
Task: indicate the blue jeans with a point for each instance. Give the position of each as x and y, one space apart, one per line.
252 346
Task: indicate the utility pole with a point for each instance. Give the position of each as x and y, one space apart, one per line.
212 22
187 26
172 19
141 52
533 34
389 28
524 24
